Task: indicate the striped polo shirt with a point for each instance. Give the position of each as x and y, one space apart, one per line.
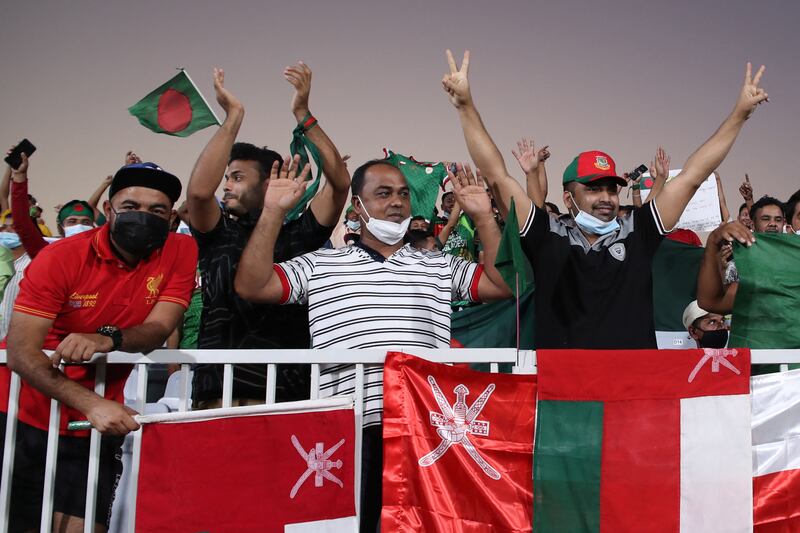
359 299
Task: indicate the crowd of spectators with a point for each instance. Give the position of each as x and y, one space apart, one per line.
355 269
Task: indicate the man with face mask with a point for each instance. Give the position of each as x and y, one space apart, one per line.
376 293
708 330
122 287
12 244
593 268
227 320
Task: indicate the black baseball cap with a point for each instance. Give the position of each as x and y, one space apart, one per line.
147 175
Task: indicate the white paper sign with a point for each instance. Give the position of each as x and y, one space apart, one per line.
702 213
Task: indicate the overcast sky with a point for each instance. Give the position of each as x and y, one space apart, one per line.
622 76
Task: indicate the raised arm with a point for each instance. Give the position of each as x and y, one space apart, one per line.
724 213
532 164
94 199
327 205
746 190
659 170
677 193
452 220
5 187
476 204
255 277
208 171
24 225
712 295
482 149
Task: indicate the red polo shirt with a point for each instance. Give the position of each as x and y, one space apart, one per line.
80 284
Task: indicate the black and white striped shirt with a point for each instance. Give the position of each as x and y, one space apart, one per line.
358 299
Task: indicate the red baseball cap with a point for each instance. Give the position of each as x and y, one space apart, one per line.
592 166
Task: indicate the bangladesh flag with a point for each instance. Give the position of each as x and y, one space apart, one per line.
424 179
643 440
767 306
176 108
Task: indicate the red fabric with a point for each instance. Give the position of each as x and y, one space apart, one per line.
80 285
174 111
685 236
287 288
237 473
776 502
454 493
634 433
24 225
473 287
596 162
636 374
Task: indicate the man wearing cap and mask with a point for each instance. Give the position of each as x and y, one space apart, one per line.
708 330
121 287
593 270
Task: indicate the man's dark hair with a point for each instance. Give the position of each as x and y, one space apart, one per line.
791 206
418 217
763 202
357 183
263 156
553 207
743 206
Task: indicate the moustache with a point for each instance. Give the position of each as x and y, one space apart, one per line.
228 196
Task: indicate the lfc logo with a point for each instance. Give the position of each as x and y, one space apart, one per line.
318 463
152 287
455 424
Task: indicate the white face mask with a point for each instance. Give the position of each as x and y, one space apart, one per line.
69 231
183 228
592 224
353 225
386 231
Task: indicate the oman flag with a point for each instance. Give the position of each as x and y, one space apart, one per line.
457 448
288 468
643 440
776 452
176 108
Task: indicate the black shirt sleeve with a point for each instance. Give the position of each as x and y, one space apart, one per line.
647 226
301 236
534 231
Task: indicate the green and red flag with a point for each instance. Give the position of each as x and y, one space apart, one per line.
457 448
766 313
175 108
424 179
643 440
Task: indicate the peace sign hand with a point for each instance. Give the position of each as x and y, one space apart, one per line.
285 186
456 83
752 95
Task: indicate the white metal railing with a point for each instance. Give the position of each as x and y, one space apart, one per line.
524 361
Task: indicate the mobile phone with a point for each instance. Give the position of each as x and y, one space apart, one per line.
14 159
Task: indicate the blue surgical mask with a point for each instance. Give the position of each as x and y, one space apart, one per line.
592 224
353 225
9 240
69 231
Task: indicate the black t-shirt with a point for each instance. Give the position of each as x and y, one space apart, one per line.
228 321
593 296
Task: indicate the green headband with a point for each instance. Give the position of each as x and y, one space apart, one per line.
78 208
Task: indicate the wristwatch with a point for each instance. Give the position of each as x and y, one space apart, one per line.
114 333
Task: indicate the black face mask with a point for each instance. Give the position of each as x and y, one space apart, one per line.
716 338
139 232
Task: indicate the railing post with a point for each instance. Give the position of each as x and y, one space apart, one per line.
50 465
9 447
94 454
141 401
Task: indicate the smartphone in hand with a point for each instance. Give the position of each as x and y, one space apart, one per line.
14 159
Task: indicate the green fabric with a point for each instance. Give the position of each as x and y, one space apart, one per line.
146 109
78 208
191 322
766 312
302 145
571 172
424 180
100 220
510 259
461 241
675 268
6 269
566 466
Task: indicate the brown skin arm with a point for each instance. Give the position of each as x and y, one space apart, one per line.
327 205
724 213
5 188
712 295
208 171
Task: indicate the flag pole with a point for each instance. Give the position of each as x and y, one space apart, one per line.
201 94
516 276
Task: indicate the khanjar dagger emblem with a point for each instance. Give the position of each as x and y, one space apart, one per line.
455 424
318 463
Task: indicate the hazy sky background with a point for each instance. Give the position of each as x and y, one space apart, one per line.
621 76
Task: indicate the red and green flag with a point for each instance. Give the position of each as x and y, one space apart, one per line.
457 448
175 108
643 440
